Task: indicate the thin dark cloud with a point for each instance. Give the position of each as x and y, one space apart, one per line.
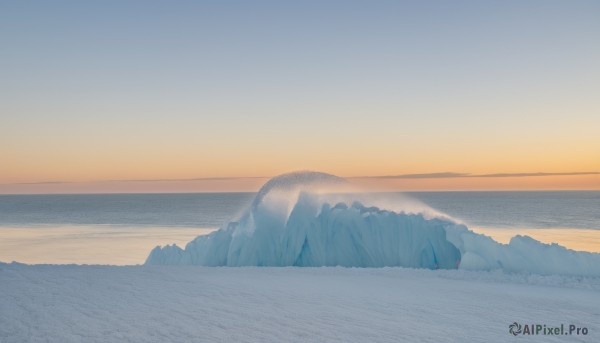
144 180
448 175
40 183
192 179
535 174
442 175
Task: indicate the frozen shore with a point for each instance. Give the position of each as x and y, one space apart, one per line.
68 303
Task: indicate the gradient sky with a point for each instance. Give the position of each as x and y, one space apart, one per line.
92 91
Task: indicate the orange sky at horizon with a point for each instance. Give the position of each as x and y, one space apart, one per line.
63 167
59 165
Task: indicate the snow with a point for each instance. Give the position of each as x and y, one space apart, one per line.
68 303
296 221
464 286
295 182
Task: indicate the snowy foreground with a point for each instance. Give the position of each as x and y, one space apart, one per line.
469 288
68 303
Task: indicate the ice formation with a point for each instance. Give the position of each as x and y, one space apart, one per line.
294 222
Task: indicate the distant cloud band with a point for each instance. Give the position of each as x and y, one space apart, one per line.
447 175
443 175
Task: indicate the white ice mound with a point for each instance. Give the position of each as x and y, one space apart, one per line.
292 222
522 254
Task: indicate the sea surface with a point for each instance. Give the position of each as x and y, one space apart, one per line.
122 228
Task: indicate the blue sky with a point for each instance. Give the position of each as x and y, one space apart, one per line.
255 88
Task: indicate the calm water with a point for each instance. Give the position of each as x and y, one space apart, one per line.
187 210
564 209
123 228
548 209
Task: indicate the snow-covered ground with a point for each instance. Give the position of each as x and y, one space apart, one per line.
44 303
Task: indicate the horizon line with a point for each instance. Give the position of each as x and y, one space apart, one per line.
437 175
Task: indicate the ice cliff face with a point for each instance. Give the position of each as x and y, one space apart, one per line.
314 235
522 254
292 223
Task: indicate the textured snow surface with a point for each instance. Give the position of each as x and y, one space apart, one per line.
201 304
292 222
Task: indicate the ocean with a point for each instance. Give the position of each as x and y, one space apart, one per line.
123 228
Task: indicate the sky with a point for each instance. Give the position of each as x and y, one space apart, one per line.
160 96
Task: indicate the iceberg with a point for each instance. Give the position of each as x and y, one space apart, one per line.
302 219
522 254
